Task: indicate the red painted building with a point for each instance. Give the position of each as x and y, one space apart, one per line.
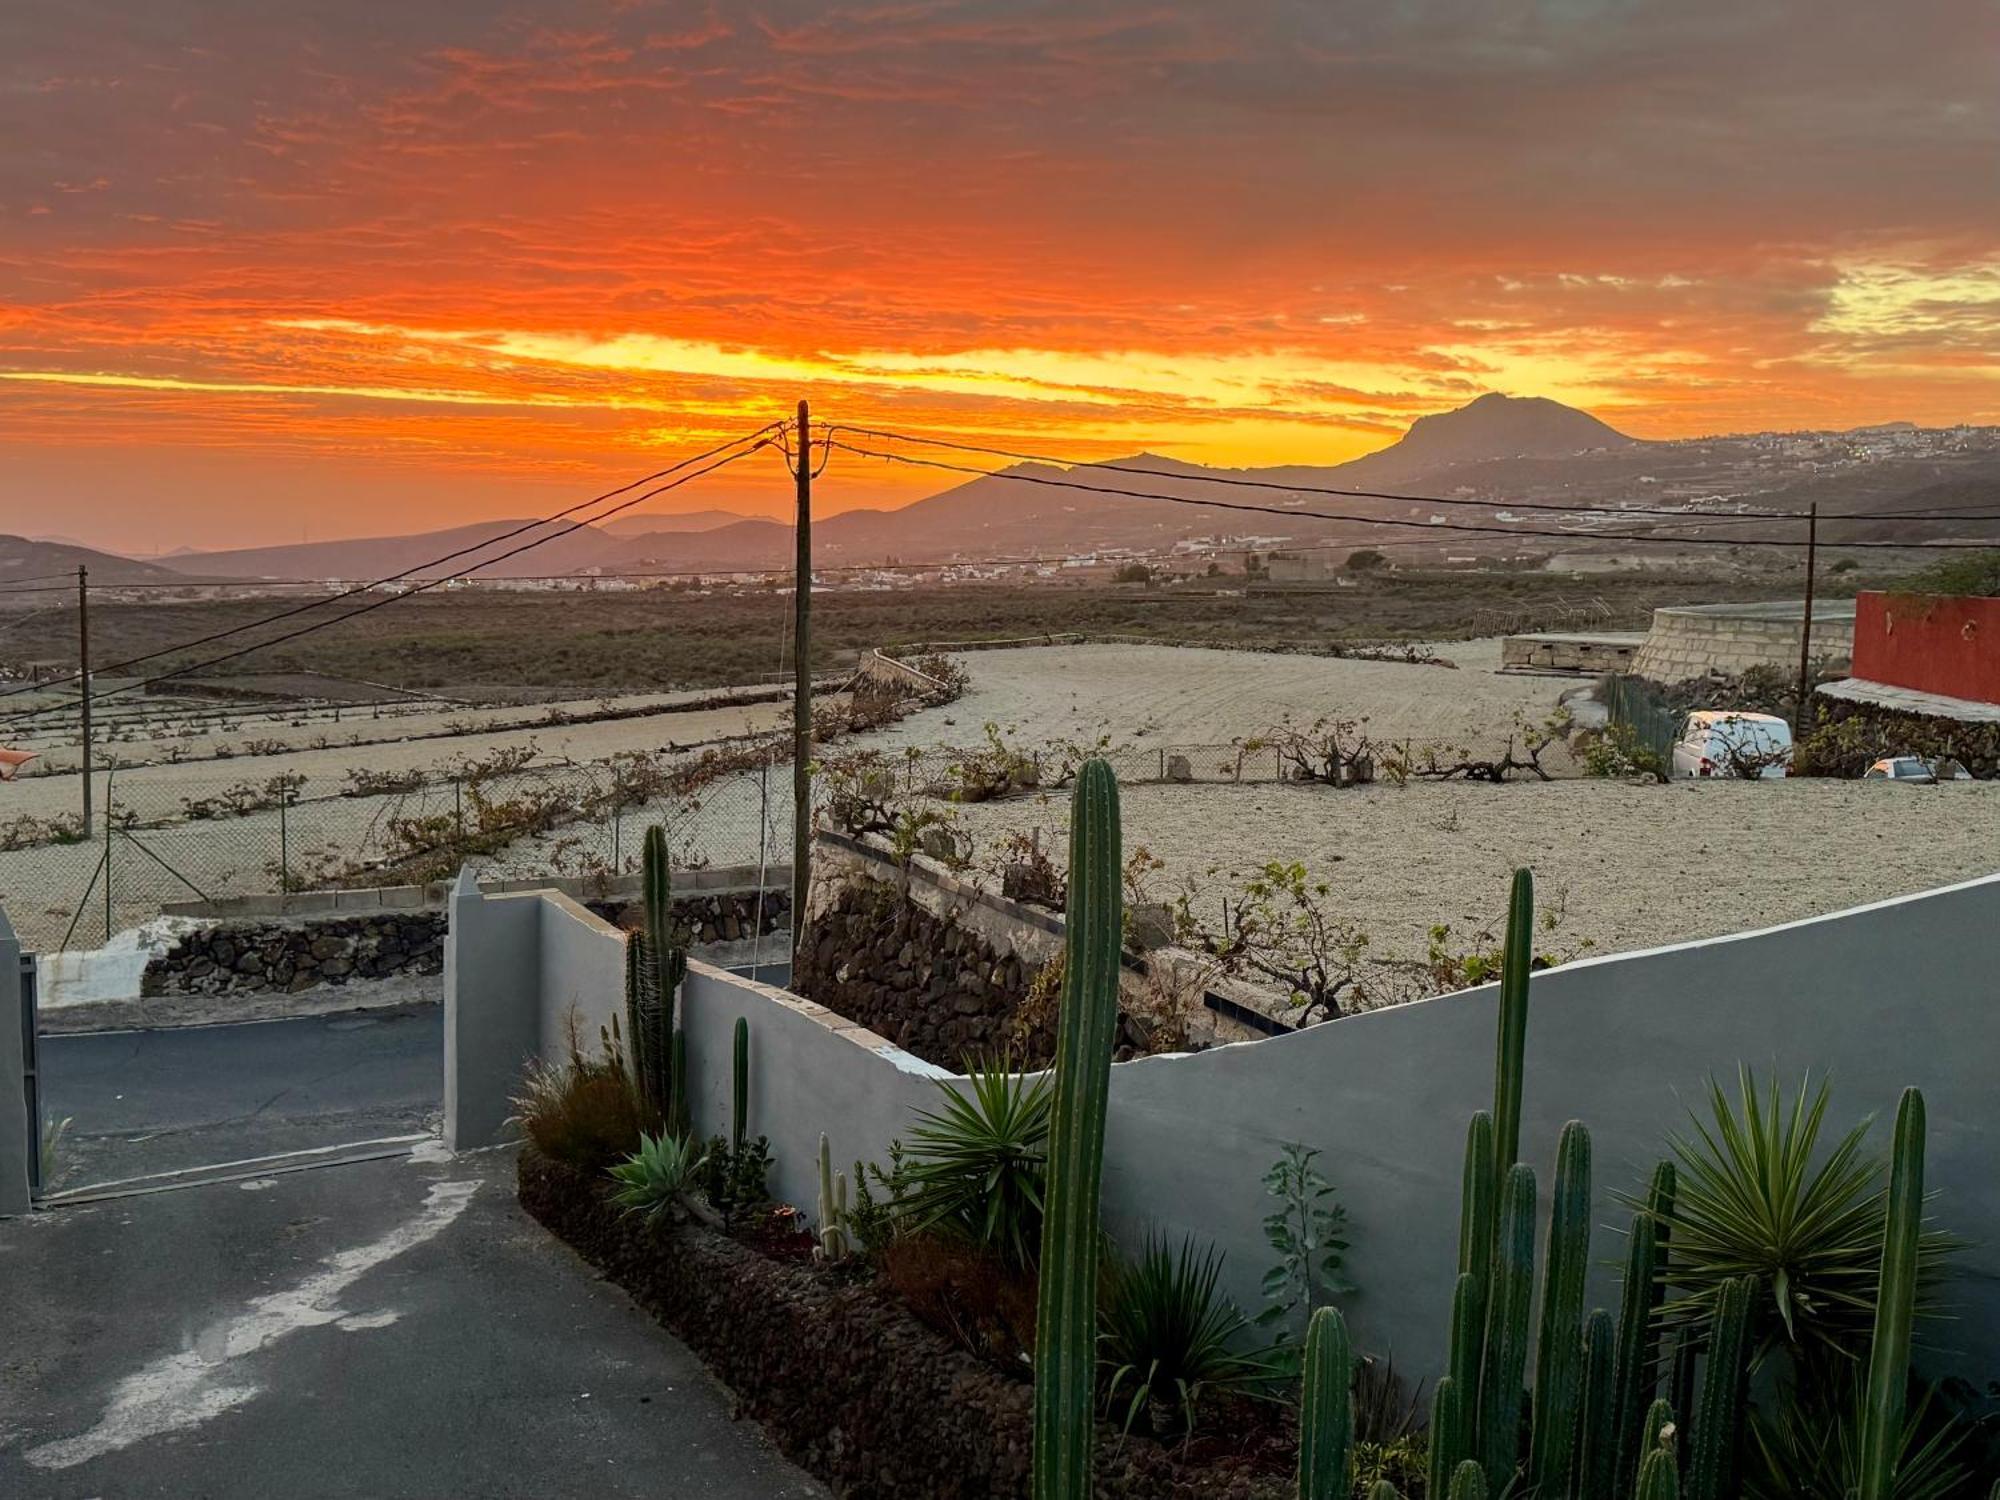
1931 643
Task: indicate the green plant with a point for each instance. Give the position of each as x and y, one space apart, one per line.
1087 1024
1558 1350
1450 1434
1885 1400
1596 1427
1284 927
1306 1234
876 1221
1169 1340
1809 1449
1718 1419
739 1084
654 1181
1506 1363
977 1165
1468 1482
1659 1476
658 1043
1400 1463
733 1177
1637 1374
1757 1198
1326 1417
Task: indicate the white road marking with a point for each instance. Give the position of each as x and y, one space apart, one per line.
186 1389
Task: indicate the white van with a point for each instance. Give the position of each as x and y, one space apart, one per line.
1722 743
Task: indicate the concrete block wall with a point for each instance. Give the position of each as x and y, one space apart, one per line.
1897 993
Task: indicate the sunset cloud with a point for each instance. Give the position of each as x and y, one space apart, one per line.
464 258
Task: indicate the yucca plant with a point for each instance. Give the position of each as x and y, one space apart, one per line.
1169 1340
1757 1197
654 1180
1809 1450
976 1166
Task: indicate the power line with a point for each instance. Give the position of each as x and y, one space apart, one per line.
1294 513
729 458
1241 482
363 588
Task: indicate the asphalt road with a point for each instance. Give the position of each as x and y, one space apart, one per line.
140 1102
385 1330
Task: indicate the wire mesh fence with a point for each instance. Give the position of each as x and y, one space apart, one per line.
164 840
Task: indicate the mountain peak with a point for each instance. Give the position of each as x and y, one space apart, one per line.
1491 426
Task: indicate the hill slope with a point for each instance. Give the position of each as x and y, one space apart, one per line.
382 556
22 559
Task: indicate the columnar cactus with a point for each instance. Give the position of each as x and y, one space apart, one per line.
1657 1431
1507 1317
1718 1419
834 1239
1638 1374
1597 1434
739 1086
1476 1197
669 968
1326 1412
1895 1306
651 1043
1468 1351
1516 958
1659 1476
1450 1435
1468 1482
1066 1307
1558 1352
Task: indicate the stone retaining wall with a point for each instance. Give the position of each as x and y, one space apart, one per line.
1729 639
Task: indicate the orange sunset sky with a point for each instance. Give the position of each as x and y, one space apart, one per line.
272 270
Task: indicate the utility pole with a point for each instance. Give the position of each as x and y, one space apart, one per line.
802 689
1805 625
83 675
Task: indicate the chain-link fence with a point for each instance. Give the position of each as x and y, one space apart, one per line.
169 839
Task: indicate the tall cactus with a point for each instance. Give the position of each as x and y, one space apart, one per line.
1507 1316
835 1241
1450 1434
1468 1350
1326 1410
739 1086
1597 1434
1895 1305
1477 1196
1516 958
1468 1482
1718 1419
650 1041
669 967
1066 1303
1638 1372
1559 1351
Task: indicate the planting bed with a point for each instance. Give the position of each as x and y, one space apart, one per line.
845 1378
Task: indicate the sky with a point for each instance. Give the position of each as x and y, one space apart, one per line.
346 267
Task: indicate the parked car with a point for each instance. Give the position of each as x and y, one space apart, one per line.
1915 768
1724 743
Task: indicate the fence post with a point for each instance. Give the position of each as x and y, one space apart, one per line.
1163 762
284 842
108 861
617 828
458 810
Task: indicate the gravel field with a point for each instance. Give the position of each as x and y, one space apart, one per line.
1168 695
1633 866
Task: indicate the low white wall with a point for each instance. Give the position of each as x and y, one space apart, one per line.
1898 993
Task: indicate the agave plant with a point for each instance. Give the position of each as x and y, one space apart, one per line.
655 1179
976 1166
1757 1197
1168 1340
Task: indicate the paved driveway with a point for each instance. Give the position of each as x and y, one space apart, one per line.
387 1329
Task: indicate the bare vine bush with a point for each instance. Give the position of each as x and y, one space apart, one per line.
244 798
1281 927
1335 751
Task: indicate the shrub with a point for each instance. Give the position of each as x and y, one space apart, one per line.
1756 1198
583 1110
732 1178
968 1294
1307 1233
654 1180
1364 560
1169 1341
976 1167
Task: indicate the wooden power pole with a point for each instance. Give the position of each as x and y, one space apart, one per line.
802 689
1805 626
83 676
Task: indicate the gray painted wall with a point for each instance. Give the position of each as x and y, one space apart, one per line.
19 1135
1899 993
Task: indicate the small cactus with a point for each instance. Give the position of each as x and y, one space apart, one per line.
1638 1374
1597 1436
1659 1476
835 1241
1450 1439
1468 1482
1326 1412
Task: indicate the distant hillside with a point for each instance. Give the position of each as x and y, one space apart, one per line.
383 556
22 559
645 522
